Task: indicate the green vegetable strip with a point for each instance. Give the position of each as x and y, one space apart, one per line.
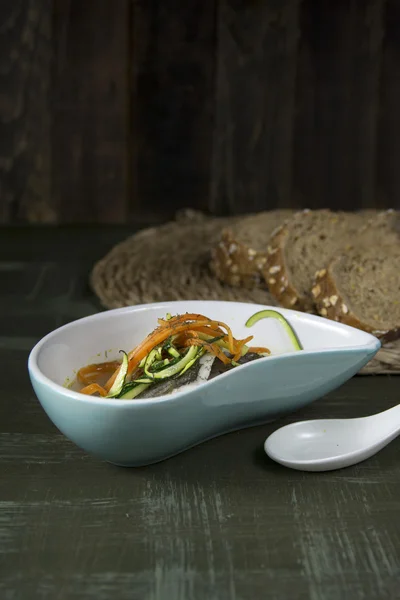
173 352
266 314
120 379
160 364
190 364
219 342
156 368
151 358
132 390
178 366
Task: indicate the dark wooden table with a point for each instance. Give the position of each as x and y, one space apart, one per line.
218 522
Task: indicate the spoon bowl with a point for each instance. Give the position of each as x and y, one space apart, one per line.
329 444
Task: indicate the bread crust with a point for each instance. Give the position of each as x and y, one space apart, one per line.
237 264
235 260
276 274
331 304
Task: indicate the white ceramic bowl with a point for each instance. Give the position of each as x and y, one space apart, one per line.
140 432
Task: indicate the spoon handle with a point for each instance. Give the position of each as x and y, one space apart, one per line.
388 419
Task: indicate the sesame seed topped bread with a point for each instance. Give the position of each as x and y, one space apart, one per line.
361 286
304 245
242 249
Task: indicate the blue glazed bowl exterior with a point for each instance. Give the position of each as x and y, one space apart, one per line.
136 433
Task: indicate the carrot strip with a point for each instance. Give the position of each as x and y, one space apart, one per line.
217 333
212 348
93 388
197 317
183 336
214 328
214 332
231 341
159 335
185 330
181 339
193 333
171 327
187 317
239 347
259 350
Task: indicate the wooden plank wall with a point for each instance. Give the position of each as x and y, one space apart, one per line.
118 110
90 135
172 102
25 115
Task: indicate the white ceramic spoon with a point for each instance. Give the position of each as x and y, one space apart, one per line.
328 444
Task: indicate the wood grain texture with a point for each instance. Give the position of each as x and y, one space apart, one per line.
255 102
25 81
343 41
218 522
111 110
90 134
173 52
389 117
339 68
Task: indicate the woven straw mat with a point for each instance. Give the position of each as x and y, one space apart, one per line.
171 262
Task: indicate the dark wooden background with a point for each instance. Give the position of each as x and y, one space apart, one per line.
115 110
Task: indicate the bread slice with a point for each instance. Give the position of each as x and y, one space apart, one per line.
168 262
241 252
304 245
361 287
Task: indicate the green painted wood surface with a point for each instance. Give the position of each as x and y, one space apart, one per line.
219 522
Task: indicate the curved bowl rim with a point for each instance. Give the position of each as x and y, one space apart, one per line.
373 344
